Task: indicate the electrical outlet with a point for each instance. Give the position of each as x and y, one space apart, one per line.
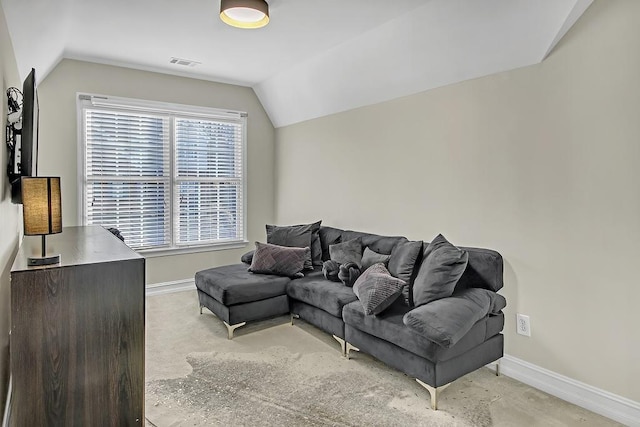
523 325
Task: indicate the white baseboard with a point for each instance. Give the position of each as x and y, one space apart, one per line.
169 287
602 402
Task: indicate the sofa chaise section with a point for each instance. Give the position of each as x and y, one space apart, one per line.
237 296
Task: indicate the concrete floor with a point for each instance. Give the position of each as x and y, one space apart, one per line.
188 357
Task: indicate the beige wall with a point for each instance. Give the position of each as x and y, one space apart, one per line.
541 164
9 213
59 147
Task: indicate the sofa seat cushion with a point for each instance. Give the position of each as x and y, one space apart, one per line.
233 284
388 326
315 290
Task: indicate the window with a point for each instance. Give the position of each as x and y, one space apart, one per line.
167 176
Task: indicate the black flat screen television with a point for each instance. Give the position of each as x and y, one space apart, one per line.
27 163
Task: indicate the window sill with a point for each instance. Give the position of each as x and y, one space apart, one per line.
153 253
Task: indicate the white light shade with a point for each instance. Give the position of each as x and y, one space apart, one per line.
244 13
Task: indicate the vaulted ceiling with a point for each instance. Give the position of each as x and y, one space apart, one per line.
316 57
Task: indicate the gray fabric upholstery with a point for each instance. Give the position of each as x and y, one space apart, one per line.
247 312
446 320
290 235
403 264
280 260
495 324
403 259
330 270
329 236
247 257
442 266
498 303
377 243
315 290
389 326
370 257
318 317
377 289
349 251
380 244
484 270
233 284
435 374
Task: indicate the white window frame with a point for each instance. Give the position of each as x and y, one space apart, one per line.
173 110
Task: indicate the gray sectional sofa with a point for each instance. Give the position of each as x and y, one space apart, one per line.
435 343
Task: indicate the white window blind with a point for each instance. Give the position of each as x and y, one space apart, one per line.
208 184
165 176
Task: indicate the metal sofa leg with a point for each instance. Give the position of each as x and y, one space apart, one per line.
294 316
434 392
231 328
350 347
201 308
343 346
497 368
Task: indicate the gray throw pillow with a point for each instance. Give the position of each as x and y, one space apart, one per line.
370 257
289 235
441 268
295 236
280 260
349 251
402 264
377 289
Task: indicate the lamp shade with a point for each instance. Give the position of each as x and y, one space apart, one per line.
244 13
42 205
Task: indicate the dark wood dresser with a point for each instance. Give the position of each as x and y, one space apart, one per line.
77 332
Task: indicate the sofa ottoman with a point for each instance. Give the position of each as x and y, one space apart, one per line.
237 296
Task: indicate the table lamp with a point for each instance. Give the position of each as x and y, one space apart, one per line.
42 213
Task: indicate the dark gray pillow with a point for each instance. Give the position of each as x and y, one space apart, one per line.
330 270
402 265
294 236
349 251
329 236
247 258
288 233
377 289
280 260
447 320
370 257
441 268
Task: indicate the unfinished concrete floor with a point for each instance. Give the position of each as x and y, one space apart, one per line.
275 374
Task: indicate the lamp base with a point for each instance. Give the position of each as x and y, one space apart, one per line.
35 261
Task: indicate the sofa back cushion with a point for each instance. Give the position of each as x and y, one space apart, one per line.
484 270
380 244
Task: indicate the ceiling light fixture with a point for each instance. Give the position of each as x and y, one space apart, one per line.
244 13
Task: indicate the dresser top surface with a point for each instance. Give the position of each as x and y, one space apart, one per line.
77 246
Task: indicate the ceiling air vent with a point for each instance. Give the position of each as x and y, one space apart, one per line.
183 62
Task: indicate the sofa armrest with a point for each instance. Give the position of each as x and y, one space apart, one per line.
446 320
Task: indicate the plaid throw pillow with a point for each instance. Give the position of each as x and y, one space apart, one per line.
377 289
280 260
